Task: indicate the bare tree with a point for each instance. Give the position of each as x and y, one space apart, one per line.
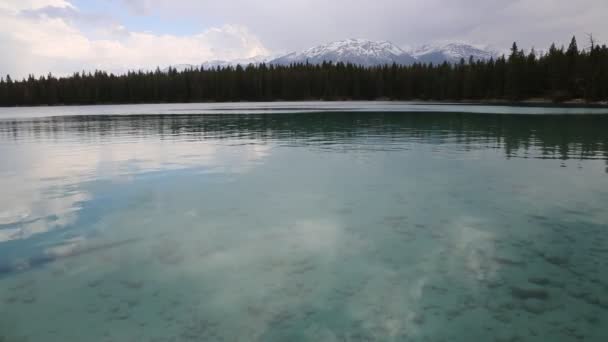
591 41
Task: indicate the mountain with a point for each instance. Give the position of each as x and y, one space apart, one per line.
243 62
355 51
220 63
452 53
179 67
363 52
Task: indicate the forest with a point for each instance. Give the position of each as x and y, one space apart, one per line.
560 74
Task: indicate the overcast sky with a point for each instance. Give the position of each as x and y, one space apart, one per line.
62 36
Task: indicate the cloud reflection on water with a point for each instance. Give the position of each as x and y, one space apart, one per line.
50 191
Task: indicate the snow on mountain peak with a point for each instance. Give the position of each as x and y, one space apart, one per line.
356 51
256 60
452 52
361 47
368 53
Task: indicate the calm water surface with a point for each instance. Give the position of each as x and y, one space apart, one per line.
303 222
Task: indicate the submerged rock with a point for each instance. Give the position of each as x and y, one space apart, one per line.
508 262
529 293
554 259
10 300
28 299
167 252
95 283
557 260
418 319
132 284
42 259
539 281
535 306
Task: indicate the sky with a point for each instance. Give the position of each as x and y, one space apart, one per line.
64 36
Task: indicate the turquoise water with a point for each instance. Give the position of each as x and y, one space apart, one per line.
370 223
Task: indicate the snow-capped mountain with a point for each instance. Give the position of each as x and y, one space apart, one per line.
452 53
179 67
355 51
257 60
363 52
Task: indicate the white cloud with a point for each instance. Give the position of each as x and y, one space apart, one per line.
31 204
292 25
40 43
37 37
14 6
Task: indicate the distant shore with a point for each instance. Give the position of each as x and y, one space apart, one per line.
535 102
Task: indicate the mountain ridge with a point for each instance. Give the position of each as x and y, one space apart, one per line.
452 52
366 53
355 51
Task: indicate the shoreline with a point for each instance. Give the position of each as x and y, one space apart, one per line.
535 102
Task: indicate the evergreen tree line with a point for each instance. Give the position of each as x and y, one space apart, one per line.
560 74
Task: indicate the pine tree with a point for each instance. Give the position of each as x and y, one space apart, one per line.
559 74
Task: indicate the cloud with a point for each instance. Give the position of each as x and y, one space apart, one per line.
293 25
50 194
45 37
53 35
140 7
13 6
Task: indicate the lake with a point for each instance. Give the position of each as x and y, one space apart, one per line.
303 222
